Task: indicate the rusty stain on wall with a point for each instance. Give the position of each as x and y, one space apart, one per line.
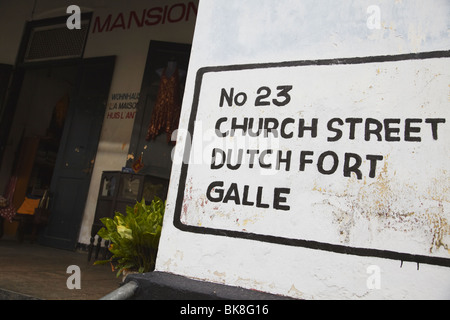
188 198
386 207
193 203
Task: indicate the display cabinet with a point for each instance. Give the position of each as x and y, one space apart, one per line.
119 190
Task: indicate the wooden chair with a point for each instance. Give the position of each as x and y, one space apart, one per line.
34 222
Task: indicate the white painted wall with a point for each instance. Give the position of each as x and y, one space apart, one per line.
131 47
231 32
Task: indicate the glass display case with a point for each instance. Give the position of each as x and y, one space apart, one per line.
119 190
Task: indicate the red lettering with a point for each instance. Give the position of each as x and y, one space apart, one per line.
183 12
133 16
191 7
97 24
130 115
113 115
119 23
148 17
154 19
164 15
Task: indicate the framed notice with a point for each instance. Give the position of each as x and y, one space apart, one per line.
337 155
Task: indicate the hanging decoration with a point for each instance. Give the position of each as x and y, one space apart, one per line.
166 113
138 164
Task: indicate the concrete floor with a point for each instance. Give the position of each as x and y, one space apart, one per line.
41 272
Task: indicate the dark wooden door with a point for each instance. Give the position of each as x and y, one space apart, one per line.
5 74
77 151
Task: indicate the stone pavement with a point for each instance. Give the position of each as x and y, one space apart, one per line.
34 271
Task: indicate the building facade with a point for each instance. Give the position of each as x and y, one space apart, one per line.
72 100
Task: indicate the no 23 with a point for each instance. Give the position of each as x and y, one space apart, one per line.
264 97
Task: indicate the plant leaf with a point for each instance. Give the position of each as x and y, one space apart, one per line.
134 236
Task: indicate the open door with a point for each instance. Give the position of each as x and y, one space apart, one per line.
77 151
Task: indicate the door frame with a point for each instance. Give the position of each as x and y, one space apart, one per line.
18 72
70 241
17 76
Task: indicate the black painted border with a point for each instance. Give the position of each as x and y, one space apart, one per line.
365 252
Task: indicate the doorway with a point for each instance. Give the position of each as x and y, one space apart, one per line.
32 146
156 153
76 156
53 141
51 123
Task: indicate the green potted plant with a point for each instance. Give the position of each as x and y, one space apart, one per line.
134 237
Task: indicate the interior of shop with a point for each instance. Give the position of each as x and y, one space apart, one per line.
31 151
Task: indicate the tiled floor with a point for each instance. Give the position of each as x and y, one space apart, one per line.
41 272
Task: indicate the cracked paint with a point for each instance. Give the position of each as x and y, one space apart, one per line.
380 206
